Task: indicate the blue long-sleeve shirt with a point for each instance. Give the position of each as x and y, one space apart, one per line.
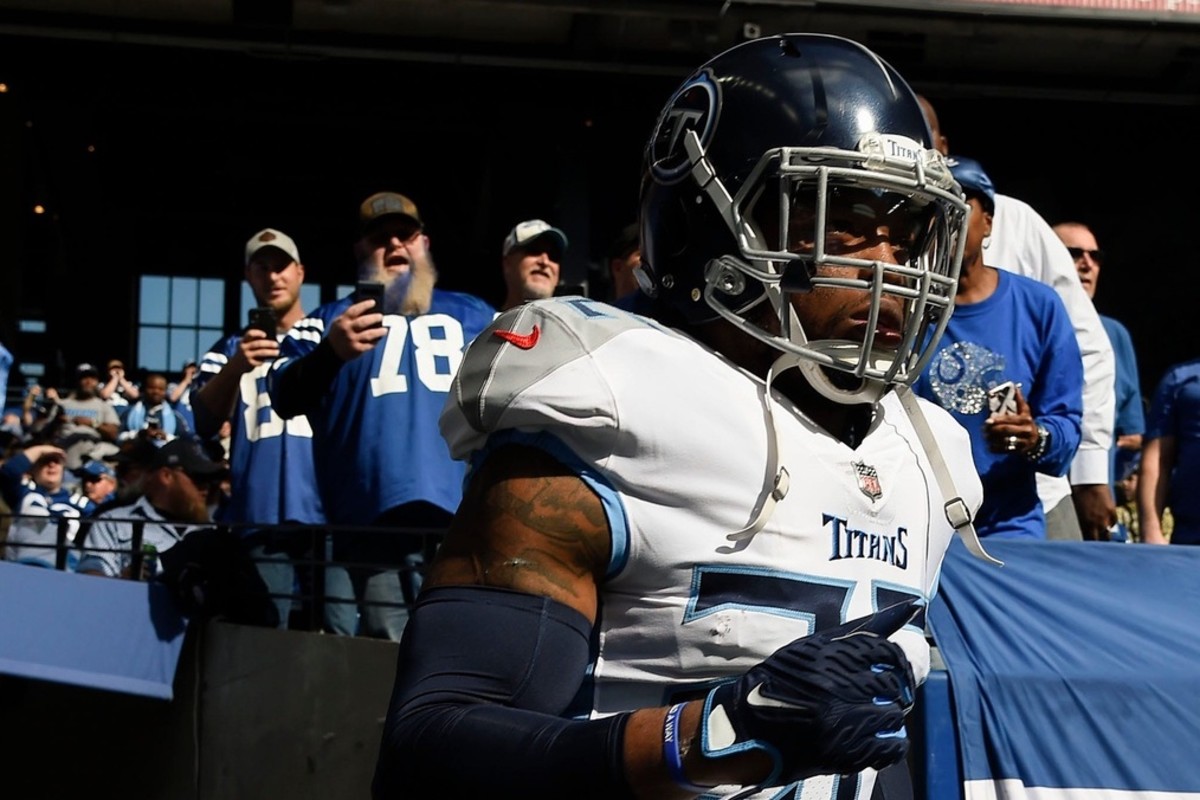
1130 412
1021 333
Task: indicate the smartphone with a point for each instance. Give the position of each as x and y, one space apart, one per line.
1002 399
263 319
370 290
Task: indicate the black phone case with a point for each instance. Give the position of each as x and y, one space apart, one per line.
263 319
366 290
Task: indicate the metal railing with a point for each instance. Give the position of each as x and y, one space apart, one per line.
308 548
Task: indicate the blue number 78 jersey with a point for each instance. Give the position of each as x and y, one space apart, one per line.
376 441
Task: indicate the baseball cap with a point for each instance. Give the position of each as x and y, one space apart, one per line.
525 232
85 369
970 175
387 204
91 470
139 451
186 454
269 237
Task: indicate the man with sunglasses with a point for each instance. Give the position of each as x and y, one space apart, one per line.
1129 422
97 481
372 382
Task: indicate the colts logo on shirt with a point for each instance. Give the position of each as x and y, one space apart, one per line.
868 480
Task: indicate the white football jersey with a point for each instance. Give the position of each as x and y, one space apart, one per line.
674 439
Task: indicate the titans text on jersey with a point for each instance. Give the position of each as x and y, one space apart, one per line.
630 407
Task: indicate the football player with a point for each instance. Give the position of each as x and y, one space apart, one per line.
693 551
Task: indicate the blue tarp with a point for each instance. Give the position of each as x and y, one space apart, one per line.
122 636
1075 669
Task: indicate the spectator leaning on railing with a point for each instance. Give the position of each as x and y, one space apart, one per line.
174 503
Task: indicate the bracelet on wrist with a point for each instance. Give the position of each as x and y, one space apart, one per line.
671 752
1038 450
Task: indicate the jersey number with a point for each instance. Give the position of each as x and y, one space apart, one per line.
260 419
822 602
437 344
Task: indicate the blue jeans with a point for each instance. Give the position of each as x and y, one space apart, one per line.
275 555
386 595
379 574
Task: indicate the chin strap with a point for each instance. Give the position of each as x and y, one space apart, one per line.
777 474
957 513
956 510
867 391
778 479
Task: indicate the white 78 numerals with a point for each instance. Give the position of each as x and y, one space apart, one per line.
429 351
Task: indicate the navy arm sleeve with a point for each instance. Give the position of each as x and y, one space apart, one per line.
483 677
298 388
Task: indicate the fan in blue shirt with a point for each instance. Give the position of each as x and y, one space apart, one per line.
1130 421
32 484
271 459
373 386
1007 328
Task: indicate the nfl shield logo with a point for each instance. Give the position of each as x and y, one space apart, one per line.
868 480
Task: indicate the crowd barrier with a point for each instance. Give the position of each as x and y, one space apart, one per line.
310 550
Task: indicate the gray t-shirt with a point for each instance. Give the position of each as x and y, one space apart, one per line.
85 440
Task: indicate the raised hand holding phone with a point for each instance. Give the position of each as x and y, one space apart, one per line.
350 335
370 290
259 349
263 319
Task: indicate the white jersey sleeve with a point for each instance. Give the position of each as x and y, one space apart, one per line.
1024 243
675 441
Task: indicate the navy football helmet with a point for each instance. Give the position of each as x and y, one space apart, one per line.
764 140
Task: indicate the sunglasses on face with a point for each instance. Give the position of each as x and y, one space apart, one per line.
1078 253
382 236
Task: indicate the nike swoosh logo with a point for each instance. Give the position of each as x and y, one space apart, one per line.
525 341
756 698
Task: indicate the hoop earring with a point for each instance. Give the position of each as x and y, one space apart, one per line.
987 242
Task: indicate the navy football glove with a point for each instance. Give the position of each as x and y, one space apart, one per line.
829 704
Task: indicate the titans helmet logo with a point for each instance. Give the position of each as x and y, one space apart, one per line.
693 108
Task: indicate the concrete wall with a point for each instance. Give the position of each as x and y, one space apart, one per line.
257 714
